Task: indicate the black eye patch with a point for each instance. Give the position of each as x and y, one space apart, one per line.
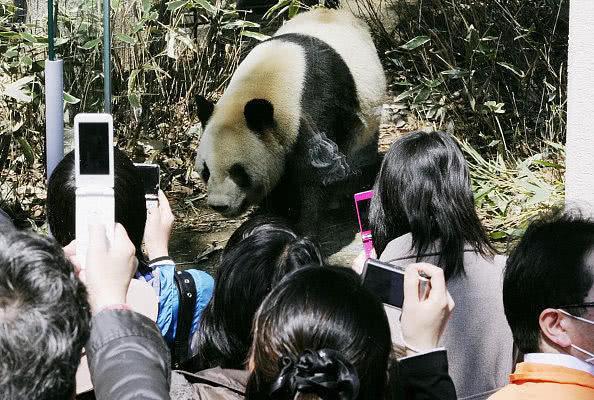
205 173
240 176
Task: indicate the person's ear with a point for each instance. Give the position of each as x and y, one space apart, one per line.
553 327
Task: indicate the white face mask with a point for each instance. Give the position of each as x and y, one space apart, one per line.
591 355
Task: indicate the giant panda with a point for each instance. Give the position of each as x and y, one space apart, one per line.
299 119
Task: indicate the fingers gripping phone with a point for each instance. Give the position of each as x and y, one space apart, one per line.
94 176
362 202
150 180
386 282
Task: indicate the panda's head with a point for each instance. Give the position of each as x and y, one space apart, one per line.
239 157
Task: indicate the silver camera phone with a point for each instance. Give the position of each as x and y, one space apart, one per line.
386 282
94 169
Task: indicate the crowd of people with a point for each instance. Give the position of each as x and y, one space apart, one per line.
278 322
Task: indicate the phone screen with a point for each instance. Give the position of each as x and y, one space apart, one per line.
150 178
93 146
387 285
363 207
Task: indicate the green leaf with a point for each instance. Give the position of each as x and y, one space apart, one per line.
293 9
28 37
9 35
11 53
454 73
176 4
495 107
26 60
91 44
61 41
18 90
204 4
134 100
497 235
70 99
406 94
415 42
241 24
513 69
27 150
147 5
125 38
422 95
132 80
256 35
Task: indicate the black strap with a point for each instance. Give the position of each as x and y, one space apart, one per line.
186 289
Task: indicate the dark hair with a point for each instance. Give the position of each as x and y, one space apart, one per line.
423 187
44 318
547 269
259 255
316 309
130 209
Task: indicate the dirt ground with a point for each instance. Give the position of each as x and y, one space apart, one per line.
201 233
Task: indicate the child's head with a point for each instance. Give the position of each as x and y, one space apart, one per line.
257 258
130 208
320 334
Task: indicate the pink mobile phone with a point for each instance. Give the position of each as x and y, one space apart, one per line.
362 202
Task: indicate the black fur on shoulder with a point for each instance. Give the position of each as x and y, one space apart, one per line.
323 155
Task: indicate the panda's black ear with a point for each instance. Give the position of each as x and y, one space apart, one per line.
205 108
259 115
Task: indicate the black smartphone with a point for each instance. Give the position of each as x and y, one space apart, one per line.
150 181
386 282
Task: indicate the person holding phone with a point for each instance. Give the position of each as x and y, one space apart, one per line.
300 359
423 210
153 227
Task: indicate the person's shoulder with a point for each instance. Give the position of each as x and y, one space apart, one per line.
484 264
397 248
216 383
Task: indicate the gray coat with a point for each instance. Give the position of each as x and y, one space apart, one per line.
477 337
211 384
128 358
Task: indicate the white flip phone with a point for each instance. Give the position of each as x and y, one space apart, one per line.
93 155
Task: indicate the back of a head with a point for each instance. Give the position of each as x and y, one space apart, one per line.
130 209
247 273
5 222
44 318
547 269
322 322
423 187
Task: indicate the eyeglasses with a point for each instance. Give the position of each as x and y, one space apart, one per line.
583 305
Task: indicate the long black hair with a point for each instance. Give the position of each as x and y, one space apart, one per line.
320 334
423 187
261 252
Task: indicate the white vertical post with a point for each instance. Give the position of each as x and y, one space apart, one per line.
54 114
579 175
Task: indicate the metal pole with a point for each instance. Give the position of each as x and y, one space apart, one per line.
50 30
106 57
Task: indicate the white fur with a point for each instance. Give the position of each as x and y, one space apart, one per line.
275 71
